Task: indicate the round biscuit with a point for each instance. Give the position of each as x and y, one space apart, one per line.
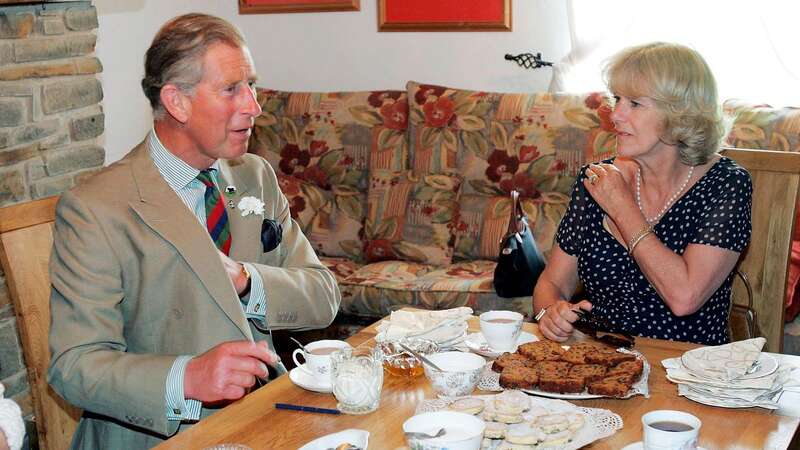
560 438
469 405
523 434
551 423
508 418
495 430
512 401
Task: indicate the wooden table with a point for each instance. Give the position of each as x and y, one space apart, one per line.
254 421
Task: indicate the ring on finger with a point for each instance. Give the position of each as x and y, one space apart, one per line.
593 178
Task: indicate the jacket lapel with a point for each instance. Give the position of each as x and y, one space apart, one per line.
246 231
161 209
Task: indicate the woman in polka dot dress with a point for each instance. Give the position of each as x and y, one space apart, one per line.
653 234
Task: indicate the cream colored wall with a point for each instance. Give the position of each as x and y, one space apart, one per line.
324 52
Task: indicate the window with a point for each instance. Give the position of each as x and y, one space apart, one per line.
750 46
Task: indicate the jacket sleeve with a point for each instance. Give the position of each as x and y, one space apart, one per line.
89 364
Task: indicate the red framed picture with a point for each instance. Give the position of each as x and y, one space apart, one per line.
444 15
287 6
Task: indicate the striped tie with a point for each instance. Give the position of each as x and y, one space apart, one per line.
216 216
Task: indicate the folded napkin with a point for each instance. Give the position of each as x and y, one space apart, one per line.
724 362
439 326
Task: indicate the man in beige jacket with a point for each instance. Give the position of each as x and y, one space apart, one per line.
170 266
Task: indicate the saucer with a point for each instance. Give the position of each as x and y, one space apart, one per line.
477 343
640 446
359 438
302 378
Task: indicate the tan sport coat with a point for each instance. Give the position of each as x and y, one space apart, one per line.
137 281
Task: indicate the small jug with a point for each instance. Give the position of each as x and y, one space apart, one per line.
357 379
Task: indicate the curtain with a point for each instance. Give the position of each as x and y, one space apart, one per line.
752 47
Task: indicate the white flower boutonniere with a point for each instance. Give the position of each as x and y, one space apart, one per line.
250 205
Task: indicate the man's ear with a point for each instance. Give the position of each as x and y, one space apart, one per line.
176 103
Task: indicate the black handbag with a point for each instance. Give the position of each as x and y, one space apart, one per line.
520 262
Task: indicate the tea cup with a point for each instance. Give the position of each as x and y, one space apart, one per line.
667 429
501 329
317 356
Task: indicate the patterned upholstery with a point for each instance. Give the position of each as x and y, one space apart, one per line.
425 207
534 143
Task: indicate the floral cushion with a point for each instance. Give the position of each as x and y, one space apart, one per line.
533 143
377 289
763 127
410 217
332 219
332 137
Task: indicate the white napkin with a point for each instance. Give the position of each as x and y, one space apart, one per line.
677 373
726 362
439 326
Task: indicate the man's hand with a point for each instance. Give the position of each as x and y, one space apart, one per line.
236 273
556 324
227 371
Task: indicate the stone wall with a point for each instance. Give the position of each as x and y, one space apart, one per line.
51 121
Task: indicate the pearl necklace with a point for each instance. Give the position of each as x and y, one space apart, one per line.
670 200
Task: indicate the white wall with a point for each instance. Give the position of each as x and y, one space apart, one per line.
325 52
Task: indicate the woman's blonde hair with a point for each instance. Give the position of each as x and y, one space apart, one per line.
680 82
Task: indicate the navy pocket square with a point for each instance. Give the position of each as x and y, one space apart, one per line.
271 234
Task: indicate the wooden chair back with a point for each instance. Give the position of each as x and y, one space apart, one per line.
765 262
26 238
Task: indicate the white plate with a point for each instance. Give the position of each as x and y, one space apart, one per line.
303 379
640 446
477 343
721 362
359 438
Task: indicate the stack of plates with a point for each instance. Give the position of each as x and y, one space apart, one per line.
448 328
735 375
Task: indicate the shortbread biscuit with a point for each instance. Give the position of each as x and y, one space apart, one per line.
508 418
495 430
576 421
554 439
523 434
551 423
469 405
511 402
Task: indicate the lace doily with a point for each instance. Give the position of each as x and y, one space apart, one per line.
490 381
600 423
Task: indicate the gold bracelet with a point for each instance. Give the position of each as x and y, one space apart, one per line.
648 229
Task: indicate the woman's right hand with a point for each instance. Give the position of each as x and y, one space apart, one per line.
556 324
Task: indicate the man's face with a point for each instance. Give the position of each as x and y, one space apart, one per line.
223 107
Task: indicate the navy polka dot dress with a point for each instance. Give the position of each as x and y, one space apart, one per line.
715 211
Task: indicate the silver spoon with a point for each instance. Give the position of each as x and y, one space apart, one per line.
420 357
302 347
417 435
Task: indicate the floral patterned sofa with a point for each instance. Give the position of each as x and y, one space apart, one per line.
404 194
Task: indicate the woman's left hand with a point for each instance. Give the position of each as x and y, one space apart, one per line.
609 188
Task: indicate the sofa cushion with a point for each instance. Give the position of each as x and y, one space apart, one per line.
323 145
763 127
332 219
377 289
410 217
534 143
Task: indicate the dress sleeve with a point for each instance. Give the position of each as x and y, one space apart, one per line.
568 234
726 221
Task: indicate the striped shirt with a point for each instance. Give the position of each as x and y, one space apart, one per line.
182 178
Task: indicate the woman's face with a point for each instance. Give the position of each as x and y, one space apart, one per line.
639 124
